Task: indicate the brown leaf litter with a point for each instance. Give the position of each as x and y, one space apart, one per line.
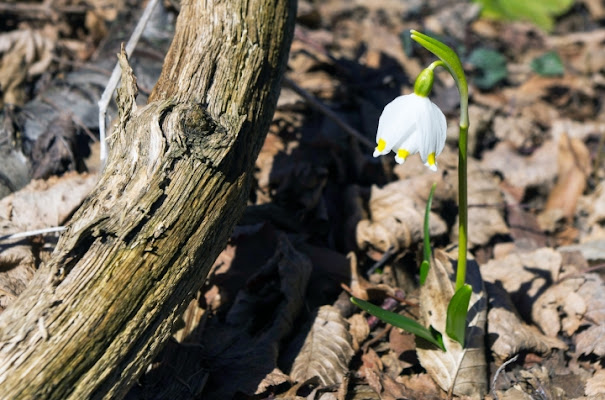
272 320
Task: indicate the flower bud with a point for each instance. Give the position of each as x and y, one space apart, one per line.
424 82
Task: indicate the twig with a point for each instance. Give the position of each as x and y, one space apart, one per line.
115 76
37 232
385 257
498 371
328 113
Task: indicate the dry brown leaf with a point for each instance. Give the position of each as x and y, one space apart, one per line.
595 386
359 329
484 195
582 50
573 169
524 275
24 53
593 250
537 170
597 214
508 334
513 393
243 347
485 208
44 203
327 350
452 21
520 131
571 303
462 370
41 204
591 341
396 219
273 379
527 382
420 387
17 267
372 369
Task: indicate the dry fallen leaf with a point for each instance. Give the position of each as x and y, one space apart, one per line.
327 350
592 250
537 170
272 380
597 214
242 347
571 303
17 267
508 334
524 275
528 382
396 219
573 169
40 204
595 386
591 341
24 53
359 329
486 211
45 203
461 370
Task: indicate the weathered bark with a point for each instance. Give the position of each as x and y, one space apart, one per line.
175 184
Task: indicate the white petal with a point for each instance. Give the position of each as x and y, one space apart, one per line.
431 167
395 123
432 130
411 145
440 128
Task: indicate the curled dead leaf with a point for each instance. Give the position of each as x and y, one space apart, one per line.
591 341
359 329
570 304
524 275
508 334
396 219
463 371
327 350
573 169
24 53
17 267
595 386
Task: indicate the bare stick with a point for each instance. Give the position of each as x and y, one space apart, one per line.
328 113
37 232
115 76
500 369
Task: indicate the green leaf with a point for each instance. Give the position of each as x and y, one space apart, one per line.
548 64
445 54
424 271
452 64
539 12
491 65
424 267
457 310
402 322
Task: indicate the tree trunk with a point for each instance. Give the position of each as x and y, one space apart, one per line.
175 184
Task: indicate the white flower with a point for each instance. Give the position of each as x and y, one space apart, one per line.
411 124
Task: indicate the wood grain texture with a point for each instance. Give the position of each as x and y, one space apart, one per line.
175 184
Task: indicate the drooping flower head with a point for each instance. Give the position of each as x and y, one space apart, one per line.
413 124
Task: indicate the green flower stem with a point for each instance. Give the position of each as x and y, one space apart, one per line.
462 207
452 63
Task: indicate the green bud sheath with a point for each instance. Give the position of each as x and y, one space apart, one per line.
424 82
